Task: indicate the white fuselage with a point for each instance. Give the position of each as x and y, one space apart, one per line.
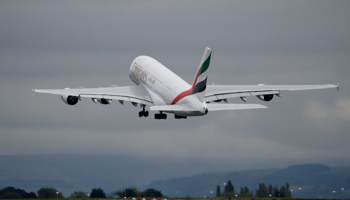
164 86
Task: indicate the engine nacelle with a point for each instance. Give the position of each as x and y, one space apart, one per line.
70 100
266 97
102 101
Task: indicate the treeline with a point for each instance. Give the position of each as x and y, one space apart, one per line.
50 193
133 192
273 191
229 191
13 193
262 191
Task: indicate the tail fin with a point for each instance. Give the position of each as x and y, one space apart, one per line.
200 80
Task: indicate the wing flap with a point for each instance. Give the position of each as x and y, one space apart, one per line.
218 107
229 95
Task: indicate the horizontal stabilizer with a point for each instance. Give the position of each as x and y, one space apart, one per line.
218 107
169 108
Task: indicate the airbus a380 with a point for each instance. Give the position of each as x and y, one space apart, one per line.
165 92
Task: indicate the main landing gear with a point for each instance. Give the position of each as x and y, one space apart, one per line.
143 113
160 116
180 117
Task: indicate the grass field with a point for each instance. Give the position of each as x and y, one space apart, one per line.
185 198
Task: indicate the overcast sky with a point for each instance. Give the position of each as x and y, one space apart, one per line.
59 44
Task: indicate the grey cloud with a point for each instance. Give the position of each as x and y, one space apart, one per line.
91 44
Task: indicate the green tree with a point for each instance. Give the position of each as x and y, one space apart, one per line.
16 193
283 191
119 193
262 191
275 192
246 189
78 194
128 192
241 193
97 193
49 193
133 192
151 193
244 192
270 190
229 190
218 191
10 195
288 194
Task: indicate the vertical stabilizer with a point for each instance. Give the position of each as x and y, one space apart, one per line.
200 80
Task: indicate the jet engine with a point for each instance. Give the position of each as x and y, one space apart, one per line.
102 101
266 97
70 100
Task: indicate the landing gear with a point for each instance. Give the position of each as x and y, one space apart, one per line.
160 116
143 113
180 117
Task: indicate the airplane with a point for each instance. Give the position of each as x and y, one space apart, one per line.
165 92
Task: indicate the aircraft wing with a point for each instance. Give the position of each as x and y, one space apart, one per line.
135 94
220 92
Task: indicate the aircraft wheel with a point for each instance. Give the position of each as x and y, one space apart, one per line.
160 116
180 117
146 114
141 114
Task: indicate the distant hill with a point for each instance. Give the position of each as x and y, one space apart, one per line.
69 173
315 181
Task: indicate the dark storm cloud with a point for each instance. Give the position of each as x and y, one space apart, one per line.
62 44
